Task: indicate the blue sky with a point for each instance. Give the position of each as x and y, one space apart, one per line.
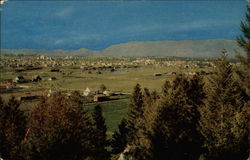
97 25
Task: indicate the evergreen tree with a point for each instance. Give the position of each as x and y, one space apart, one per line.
147 97
165 88
175 132
101 141
135 113
225 117
12 129
155 96
59 128
137 140
150 100
119 139
244 42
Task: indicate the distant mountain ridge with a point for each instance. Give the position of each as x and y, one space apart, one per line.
187 48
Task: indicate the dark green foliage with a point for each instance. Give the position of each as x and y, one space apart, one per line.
101 141
155 96
165 88
135 112
12 129
59 128
137 140
133 130
149 99
244 42
225 116
175 132
119 139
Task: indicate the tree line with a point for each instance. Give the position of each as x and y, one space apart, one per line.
189 119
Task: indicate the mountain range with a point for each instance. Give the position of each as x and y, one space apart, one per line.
186 48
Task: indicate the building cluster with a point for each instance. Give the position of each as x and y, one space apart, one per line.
90 63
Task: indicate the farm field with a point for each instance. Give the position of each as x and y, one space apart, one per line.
71 78
122 81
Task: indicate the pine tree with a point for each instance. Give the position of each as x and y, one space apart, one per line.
138 142
139 148
150 100
12 129
119 139
175 132
244 42
165 88
147 97
135 113
59 128
224 123
101 141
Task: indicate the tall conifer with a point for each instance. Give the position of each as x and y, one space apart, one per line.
101 141
244 42
223 118
135 113
12 129
175 132
119 139
60 128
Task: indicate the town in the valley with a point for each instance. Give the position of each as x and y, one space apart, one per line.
95 78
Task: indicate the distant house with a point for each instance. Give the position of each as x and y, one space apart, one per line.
36 79
89 91
20 79
54 70
3 88
52 78
100 98
157 74
7 87
107 93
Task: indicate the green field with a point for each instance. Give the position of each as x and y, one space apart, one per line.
113 112
76 79
71 79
